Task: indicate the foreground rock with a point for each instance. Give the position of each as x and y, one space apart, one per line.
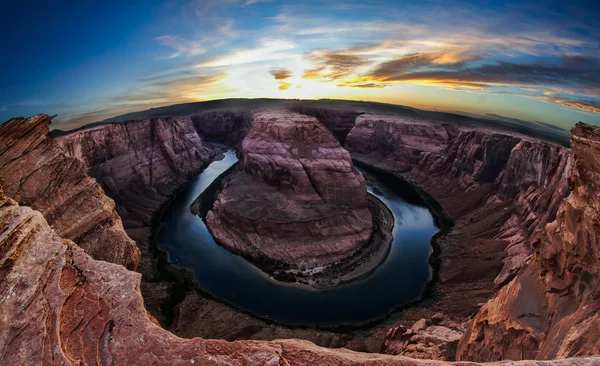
37 173
434 339
61 307
550 310
295 200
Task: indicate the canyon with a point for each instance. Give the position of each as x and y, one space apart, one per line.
515 262
295 190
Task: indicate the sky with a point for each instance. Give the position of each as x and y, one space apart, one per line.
90 60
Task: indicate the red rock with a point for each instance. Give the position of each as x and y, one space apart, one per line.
35 171
61 307
497 186
550 309
295 198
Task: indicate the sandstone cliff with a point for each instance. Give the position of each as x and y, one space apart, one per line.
550 310
60 307
227 127
295 199
498 187
140 164
35 171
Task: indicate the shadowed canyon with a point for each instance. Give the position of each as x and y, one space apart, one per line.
287 232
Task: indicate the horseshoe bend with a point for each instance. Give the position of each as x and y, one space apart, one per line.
242 233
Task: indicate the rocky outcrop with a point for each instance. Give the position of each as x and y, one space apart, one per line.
35 171
434 339
500 188
227 127
61 307
340 122
295 199
140 164
550 310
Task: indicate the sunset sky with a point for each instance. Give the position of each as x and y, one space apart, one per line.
90 60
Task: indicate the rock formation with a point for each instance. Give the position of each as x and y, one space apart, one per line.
36 172
140 164
550 310
498 187
295 199
339 122
434 339
61 307
227 127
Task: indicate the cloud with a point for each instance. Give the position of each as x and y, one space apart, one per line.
284 86
152 91
251 2
332 65
268 49
181 46
281 74
363 86
583 104
414 68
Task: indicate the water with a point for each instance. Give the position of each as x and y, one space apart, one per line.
398 281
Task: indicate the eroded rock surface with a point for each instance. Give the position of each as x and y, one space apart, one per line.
36 172
61 307
500 188
140 164
295 198
550 310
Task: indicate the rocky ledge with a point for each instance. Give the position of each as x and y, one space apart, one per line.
295 202
61 307
36 172
500 188
551 308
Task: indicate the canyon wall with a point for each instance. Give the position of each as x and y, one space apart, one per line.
295 198
502 190
35 171
61 307
550 310
498 187
227 127
140 164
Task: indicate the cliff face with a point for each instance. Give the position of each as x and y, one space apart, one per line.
550 310
227 127
339 122
499 188
140 163
36 172
295 198
61 307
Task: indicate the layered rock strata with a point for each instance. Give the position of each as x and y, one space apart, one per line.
295 199
140 164
61 307
498 187
36 172
550 310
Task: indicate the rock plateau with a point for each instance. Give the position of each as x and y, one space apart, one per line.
295 200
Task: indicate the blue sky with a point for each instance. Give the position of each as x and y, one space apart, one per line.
90 60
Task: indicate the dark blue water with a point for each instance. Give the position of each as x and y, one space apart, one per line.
398 281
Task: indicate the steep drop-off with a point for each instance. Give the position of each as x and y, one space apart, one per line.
61 307
550 310
140 164
295 199
36 172
498 187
